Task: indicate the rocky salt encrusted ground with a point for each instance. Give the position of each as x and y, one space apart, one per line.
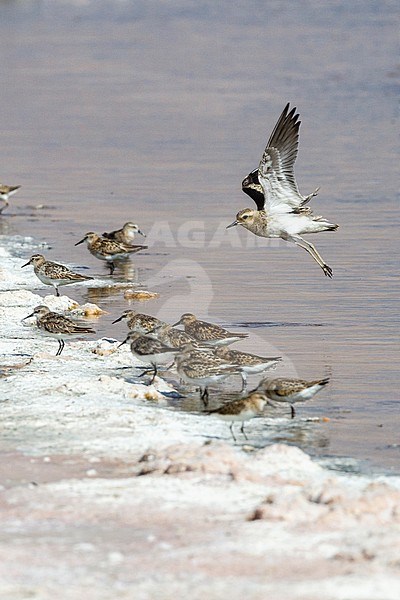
107 493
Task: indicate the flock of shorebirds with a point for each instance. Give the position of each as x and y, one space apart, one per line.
200 352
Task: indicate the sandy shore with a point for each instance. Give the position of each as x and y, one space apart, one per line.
107 493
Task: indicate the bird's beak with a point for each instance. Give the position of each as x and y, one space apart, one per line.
31 315
233 224
81 242
141 233
119 319
25 265
177 323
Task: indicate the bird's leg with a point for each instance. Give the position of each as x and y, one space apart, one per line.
231 430
145 372
61 345
57 292
154 373
244 381
112 267
204 396
292 411
243 431
310 248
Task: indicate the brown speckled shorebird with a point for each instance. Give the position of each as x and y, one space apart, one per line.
173 337
108 250
241 410
202 368
149 350
57 326
250 364
5 192
208 334
281 211
141 323
287 390
51 273
125 235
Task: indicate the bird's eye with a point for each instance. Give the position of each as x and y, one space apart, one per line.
245 216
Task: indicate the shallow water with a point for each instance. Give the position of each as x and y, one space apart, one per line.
154 112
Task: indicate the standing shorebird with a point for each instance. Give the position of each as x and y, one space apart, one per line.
149 350
108 250
292 390
281 211
172 337
51 273
125 235
242 410
57 326
202 368
208 334
140 322
249 364
5 192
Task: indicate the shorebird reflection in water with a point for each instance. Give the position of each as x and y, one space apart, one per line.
57 326
281 211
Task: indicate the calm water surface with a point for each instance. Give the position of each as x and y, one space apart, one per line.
154 112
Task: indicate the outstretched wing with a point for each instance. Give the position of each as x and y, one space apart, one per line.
276 169
273 185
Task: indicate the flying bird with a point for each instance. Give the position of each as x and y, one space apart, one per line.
281 209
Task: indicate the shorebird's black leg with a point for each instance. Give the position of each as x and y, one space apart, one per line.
112 267
61 345
243 431
204 396
145 372
154 373
57 292
231 430
292 411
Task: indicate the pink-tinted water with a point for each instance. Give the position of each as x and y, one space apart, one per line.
154 112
